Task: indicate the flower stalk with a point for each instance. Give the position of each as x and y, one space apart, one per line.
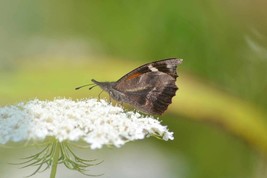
55 159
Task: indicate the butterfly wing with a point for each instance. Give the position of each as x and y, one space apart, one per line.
167 66
150 87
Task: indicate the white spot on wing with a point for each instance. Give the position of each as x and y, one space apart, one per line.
169 66
153 69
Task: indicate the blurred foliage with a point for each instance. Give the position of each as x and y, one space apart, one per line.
47 48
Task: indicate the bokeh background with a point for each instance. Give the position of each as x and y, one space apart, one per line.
218 116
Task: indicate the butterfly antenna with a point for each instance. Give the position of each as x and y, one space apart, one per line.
77 88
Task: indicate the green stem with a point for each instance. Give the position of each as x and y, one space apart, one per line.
55 160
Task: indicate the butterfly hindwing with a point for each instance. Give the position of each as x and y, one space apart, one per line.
153 100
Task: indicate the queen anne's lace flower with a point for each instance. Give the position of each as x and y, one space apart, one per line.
96 122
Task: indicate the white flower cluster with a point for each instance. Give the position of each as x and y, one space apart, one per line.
96 122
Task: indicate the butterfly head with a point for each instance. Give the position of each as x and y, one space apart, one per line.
104 85
109 88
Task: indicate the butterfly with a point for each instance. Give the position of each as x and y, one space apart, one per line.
149 88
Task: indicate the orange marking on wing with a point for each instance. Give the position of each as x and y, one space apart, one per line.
134 76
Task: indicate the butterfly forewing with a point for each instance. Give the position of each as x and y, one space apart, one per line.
167 66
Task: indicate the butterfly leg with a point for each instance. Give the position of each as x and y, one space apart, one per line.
99 95
121 104
109 99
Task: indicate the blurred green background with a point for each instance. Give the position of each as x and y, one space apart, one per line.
218 116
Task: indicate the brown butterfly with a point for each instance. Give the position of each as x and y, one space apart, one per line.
149 88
